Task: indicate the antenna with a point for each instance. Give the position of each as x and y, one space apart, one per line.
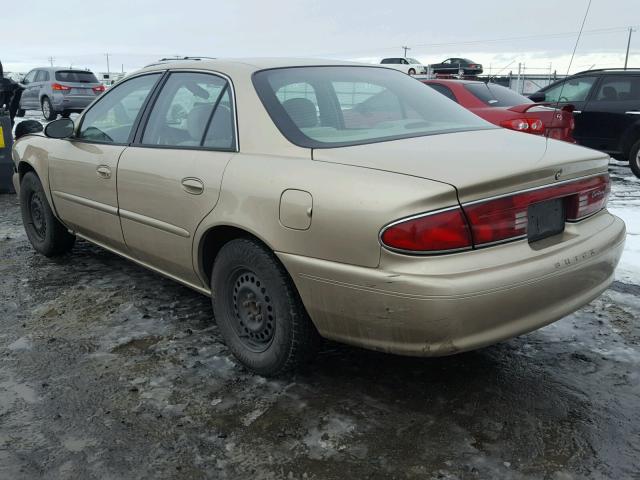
626 57
575 47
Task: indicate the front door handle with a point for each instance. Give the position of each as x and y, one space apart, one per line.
192 185
633 112
103 171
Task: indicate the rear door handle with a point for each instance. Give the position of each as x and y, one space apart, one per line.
103 171
577 111
192 185
633 112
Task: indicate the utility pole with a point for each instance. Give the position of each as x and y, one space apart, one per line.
107 55
51 61
626 57
405 51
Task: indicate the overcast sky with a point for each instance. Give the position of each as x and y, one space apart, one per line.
499 34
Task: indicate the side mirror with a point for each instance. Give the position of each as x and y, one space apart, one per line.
27 127
62 128
538 97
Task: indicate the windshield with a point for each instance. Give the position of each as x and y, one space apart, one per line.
412 60
318 107
496 95
77 76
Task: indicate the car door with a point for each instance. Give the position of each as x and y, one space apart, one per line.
82 170
613 110
26 101
40 84
575 91
170 180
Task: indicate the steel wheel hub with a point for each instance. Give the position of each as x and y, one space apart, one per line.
254 316
37 216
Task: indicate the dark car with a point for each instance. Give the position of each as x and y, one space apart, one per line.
455 65
57 90
606 110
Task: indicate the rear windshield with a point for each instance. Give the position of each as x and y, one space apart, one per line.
496 95
77 76
320 107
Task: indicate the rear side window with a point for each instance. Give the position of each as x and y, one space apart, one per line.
111 118
496 95
42 76
446 91
357 105
619 88
76 76
192 110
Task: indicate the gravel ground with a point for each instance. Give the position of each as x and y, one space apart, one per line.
110 371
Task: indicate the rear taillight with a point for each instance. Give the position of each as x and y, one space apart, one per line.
488 222
530 125
506 218
99 89
436 232
60 88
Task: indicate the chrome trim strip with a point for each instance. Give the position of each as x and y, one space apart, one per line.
541 187
85 202
632 112
154 223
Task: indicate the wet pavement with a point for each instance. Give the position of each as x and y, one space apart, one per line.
109 371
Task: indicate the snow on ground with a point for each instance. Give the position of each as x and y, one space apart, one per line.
625 203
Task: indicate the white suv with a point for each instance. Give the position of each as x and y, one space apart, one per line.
406 65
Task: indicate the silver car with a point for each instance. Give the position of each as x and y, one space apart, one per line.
56 90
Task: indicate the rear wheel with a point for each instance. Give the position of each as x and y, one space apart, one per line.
258 310
412 71
47 235
634 159
47 109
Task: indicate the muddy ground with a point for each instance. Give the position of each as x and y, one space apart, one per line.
109 371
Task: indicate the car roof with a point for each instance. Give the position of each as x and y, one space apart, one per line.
246 64
608 71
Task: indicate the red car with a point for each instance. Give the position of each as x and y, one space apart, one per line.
506 108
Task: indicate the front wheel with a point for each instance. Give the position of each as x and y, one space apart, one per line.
412 71
47 235
258 310
47 109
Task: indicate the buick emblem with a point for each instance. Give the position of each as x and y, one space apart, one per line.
558 174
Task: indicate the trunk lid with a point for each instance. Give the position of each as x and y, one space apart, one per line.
479 164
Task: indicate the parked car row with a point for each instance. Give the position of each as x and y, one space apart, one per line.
341 201
450 66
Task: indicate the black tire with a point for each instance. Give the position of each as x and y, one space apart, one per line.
258 310
47 235
412 71
47 109
20 113
634 159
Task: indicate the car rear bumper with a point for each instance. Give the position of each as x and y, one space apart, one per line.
431 306
71 102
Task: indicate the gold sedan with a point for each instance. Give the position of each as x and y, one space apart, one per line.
321 199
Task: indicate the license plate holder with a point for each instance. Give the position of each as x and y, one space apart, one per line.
545 219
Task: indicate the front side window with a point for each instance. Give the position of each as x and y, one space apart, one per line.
572 90
30 77
413 61
42 76
496 95
111 119
356 105
190 105
619 88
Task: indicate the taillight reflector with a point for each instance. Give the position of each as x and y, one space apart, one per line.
497 220
529 125
58 87
99 89
436 232
506 218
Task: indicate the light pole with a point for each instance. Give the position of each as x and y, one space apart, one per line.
626 57
107 55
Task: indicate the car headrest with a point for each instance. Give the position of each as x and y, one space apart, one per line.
609 93
302 111
197 120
